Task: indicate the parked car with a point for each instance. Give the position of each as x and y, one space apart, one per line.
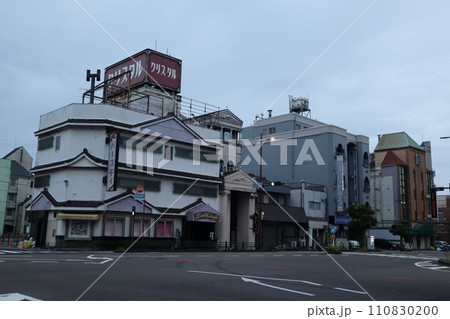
352 244
381 243
441 245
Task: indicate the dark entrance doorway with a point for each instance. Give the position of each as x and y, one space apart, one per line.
200 231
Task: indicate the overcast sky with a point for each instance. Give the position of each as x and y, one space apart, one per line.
389 73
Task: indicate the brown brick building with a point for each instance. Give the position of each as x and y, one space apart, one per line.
402 159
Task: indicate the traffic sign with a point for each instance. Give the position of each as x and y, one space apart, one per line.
333 230
139 196
342 220
140 189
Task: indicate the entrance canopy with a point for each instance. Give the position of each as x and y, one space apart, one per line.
422 229
203 213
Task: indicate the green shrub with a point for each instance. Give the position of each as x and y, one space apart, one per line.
445 261
332 250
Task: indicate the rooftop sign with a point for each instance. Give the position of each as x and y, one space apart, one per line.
147 66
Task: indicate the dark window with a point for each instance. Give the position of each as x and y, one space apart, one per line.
149 185
183 152
58 143
194 190
44 143
41 181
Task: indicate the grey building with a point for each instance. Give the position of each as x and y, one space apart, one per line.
297 148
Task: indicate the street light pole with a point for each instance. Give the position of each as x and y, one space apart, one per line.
260 190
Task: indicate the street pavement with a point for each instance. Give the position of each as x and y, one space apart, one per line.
223 276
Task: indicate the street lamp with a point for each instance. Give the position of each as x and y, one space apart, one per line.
444 137
261 142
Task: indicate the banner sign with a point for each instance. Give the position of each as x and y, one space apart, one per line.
340 182
111 180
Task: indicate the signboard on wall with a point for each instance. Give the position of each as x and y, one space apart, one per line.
147 66
111 177
340 182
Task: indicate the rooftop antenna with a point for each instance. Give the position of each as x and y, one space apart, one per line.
92 77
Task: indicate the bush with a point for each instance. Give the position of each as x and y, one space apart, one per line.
444 261
119 249
332 250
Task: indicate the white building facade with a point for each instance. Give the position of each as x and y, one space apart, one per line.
72 205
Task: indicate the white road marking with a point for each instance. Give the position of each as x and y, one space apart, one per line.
350 290
275 287
105 260
429 265
276 279
257 277
16 297
45 261
393 256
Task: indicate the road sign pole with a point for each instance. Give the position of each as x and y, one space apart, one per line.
143 217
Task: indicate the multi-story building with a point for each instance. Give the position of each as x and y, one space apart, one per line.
91 159
15 190
403 179
441 224
295 147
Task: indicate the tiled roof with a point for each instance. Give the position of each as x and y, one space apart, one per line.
396 140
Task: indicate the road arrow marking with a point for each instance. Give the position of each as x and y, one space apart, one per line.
105 260
253 281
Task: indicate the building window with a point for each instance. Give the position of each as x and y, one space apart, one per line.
226 136
184 152
272 130
168 153
138 227
41 181
58 143
164 228
366 160
44 143
12 182
418 159
114 227
314 205
11 197
79 229
366 185
195 190
9 211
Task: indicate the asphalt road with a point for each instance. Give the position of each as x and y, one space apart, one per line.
225 276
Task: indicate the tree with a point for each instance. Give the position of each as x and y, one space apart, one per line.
402 229
362 219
